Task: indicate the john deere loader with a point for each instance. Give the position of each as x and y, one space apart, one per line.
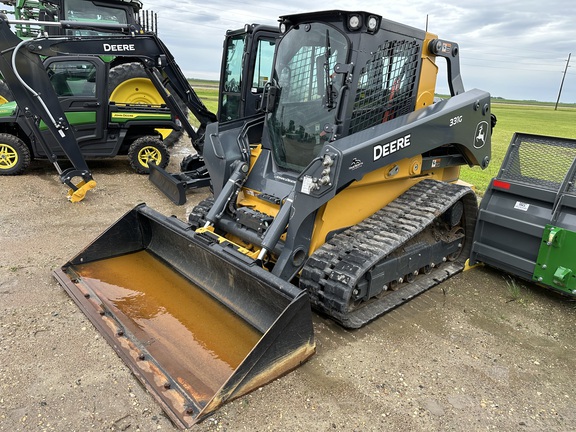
60 114
62 107
342 195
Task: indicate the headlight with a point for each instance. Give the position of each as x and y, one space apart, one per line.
354 22
372 23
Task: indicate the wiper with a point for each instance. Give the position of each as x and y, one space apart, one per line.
328 79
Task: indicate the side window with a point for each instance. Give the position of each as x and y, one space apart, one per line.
263 66
235 50
74 78
387 85
230 96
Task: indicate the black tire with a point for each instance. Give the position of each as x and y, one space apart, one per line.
5 93
145 149
146 94
14 155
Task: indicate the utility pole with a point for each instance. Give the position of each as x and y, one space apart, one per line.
562 83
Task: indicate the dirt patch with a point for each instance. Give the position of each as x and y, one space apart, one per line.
470 354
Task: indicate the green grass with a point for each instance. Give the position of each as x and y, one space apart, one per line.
209 97
207 91
516 291
194 82
533 119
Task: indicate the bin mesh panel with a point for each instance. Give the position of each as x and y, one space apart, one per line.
539 161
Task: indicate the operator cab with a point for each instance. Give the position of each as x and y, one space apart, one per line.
324 88
92 12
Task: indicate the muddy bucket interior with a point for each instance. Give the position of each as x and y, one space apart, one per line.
197 323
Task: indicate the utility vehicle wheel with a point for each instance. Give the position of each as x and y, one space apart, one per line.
5 93
128 83
14 155
147 149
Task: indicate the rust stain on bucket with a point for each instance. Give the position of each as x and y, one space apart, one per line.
198 341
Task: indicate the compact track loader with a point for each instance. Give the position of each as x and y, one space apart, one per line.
342 195
246 67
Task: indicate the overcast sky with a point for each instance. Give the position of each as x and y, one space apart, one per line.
510 48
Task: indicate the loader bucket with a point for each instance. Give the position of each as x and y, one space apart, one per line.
197 323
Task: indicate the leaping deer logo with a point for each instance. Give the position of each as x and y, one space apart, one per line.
480 134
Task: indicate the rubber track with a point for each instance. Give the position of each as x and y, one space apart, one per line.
332 272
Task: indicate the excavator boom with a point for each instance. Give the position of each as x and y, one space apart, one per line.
23 70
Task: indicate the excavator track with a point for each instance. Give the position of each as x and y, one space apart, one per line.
417 241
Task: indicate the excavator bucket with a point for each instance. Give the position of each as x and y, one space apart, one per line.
197 323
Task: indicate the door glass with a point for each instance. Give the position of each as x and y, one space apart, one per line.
263 66
231 97
308 89
73 78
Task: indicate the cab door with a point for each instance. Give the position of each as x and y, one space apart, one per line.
246 67
80 85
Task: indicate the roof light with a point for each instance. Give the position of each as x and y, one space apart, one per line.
354 22
372 23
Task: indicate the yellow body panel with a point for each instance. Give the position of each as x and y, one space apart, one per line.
428 73
364 198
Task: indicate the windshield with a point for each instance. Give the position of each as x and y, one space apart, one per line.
86 11
304 114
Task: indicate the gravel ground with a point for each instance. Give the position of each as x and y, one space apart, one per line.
479 352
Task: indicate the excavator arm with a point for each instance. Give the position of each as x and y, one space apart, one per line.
23 70
26 77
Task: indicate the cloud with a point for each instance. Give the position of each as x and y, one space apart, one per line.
511 48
